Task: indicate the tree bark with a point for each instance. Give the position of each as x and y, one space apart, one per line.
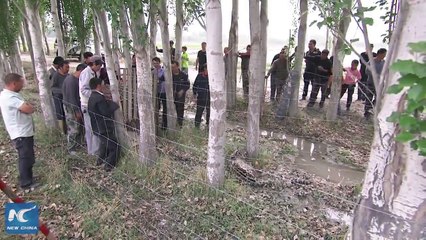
256 80
30 45
16 62
216 145
152 29
392 204
57 25
23 42
97 38
124 29
296 72
2 70
178 30
32 12
43 29
231 73
263 49
147 146
336 86
115 50
121 131
164 23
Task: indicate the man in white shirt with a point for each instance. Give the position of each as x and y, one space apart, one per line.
19 124
95 64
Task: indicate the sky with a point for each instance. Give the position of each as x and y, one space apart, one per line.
281 15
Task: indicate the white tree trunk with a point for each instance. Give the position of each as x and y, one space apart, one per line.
2 70
232 61
256 80
164 23
43 32
152 29
263 48
32 13
293 83
339 55
57 25
6 63
393 198
115 50
16 62
216 148
121 131
96 36
23 41
147 146
124 29
178 30
26 29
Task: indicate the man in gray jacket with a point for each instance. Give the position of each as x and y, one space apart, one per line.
280 70
378 62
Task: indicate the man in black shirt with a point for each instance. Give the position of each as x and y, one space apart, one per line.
172 50
101 113
245 62
201 92
364 76
201 57
323 71
311 68
72 109
180 86
57 82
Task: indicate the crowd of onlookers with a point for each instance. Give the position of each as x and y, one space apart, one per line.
83 100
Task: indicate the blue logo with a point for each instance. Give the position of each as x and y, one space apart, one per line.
21 218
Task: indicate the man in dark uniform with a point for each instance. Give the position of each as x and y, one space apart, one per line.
311 68
172 50
364 76
101 113
323 71
201 57
201 92
245 62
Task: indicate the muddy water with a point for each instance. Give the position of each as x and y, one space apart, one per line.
313 157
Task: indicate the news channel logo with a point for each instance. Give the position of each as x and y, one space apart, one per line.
21 218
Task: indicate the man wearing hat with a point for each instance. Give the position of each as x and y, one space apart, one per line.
94 65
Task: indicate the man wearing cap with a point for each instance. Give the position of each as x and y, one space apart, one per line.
72 108
55 66
172 50
323 72
95 64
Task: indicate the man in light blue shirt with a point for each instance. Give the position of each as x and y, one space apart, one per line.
19 124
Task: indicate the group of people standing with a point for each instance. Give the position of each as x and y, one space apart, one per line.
82 99
181 84
318 72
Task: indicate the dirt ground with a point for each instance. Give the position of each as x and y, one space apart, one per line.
267 198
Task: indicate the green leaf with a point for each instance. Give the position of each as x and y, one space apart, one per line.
394 117
419 47
404 137
421 143
396 88
409 80
369 21
409 66
416 93
406 121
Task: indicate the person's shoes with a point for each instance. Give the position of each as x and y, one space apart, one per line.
72 153
108 168
303 98
310 105
367 116
31 186
321 104
348 109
